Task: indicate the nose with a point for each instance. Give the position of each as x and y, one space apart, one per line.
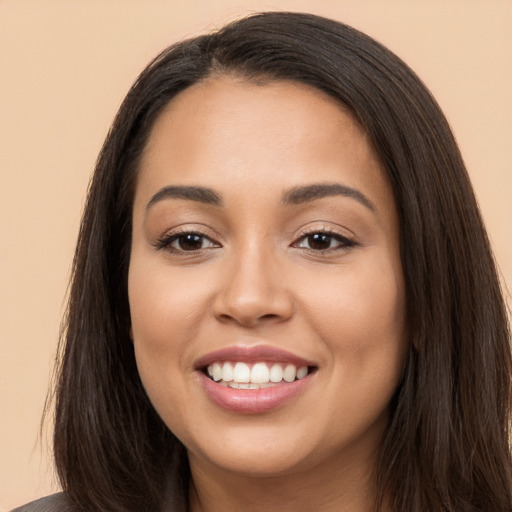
252 290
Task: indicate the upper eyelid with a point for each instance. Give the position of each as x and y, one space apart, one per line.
327 230
184 230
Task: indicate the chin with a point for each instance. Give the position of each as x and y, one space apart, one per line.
253 451
257 463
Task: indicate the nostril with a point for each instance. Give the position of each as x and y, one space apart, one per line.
269 316
247 319
251 302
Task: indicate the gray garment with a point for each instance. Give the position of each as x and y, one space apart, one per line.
175 492
59 503
176 497
54 503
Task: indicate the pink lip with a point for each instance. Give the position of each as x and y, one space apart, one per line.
253 401
250 355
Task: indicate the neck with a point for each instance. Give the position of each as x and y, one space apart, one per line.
335 487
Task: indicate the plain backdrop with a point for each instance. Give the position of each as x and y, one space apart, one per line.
64 69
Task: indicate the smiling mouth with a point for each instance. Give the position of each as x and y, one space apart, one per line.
258 375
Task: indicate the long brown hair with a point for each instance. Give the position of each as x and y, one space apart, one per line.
447 445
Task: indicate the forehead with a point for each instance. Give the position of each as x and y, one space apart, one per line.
213 113
234 134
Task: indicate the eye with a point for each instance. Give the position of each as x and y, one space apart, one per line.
186 242
324 241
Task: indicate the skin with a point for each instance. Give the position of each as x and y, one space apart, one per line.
255 279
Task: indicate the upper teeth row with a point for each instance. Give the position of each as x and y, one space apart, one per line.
260 373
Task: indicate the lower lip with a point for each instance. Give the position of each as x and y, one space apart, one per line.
252 401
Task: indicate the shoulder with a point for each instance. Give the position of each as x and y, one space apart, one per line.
54 503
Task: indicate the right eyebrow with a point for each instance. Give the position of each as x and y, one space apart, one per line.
200 194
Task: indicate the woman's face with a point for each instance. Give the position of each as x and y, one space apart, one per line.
266 255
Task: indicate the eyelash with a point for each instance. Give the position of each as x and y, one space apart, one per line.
344 242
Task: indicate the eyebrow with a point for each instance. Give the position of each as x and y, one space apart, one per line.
294 196
199 194
299 195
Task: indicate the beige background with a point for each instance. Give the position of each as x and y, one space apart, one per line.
64 68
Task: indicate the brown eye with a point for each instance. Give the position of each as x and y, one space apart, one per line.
324 241
319 241
189 242
186 242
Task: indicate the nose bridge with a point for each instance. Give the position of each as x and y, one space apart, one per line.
253 289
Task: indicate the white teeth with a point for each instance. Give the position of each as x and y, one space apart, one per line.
289 373
260 373
276 373
227 372
250 385
240 375
217 371
302 372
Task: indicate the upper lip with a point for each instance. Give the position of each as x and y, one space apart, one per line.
251 354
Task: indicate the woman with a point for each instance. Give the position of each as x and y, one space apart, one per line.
283 295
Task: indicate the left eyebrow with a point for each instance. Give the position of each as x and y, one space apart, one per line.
304 194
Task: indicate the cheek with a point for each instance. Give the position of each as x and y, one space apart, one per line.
165 309
363 326
367 299
359 315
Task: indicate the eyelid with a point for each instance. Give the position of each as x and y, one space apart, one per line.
311 228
